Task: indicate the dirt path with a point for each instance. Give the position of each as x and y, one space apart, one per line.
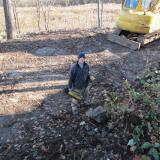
34 70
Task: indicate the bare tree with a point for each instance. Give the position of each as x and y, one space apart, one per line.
67 2
122 1
98 11
15 13
8 19
46 14
38 11
102 1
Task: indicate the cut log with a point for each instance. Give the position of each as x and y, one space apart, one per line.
150 37
123 41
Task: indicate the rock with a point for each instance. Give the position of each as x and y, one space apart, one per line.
133 148
98 114
82 123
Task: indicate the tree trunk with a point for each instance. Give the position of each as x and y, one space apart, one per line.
122 1
98 8
101 12
8 19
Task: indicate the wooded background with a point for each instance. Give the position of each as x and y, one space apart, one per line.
23 16
31 3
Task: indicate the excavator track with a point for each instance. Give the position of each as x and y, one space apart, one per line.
131 40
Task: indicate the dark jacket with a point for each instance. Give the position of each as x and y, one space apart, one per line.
79 77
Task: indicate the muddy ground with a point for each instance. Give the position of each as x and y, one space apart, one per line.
35 117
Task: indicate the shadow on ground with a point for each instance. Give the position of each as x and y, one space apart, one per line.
63 43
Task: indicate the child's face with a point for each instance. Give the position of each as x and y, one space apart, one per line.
81 60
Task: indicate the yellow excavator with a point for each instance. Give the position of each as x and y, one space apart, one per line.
138 23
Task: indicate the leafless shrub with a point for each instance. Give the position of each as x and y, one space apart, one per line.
38 12
15 13
46 8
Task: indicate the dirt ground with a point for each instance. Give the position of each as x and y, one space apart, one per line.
33 73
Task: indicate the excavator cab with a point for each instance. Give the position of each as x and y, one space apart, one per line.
139 16
134 4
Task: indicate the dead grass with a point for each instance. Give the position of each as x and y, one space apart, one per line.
65 18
